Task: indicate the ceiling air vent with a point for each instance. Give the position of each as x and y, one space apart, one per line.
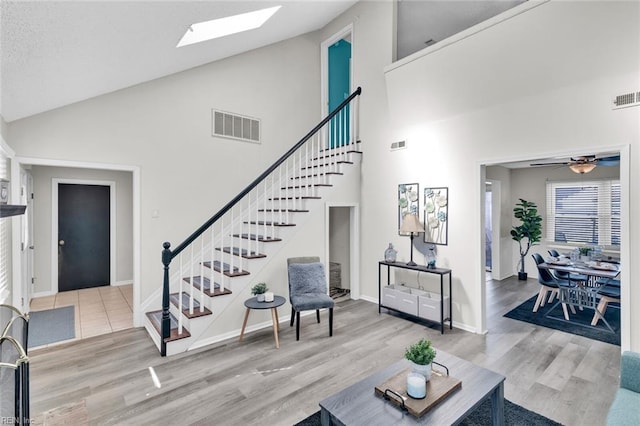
398 145
236 126
626 100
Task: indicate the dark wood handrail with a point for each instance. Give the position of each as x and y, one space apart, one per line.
191 238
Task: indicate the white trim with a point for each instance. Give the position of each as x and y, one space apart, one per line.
123 282
324 67
504 16
54 225
354 238
138 314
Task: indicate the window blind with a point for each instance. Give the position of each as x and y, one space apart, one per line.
584 212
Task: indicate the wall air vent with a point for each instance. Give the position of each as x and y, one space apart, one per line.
236 126
398 145
627 100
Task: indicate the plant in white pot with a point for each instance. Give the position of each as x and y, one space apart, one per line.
528 233
421 354
259 290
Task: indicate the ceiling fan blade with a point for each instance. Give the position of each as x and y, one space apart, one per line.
613 160
549 164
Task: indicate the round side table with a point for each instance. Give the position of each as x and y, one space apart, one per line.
253 303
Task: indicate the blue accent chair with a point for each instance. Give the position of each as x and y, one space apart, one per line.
624 410
308 290
608 293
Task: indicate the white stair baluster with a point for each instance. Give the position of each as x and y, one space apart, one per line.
231 256
202 273
222 232
213 253
180 295
192 281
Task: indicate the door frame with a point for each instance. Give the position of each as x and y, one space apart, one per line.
54 225
324 67
354 238
26 234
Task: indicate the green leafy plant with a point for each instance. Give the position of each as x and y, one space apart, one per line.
259 288
529 232
585 251
421 352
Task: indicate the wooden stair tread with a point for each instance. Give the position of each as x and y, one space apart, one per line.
305 186
156 320
254 237
246 254
197 282
304 197
315 166
283 210
185 302
316 175
261 222
225 268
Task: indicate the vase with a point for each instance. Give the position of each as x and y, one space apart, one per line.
424 370
390 254
260 297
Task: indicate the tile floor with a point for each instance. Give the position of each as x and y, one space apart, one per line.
98 310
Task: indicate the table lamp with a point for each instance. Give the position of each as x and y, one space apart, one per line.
411 224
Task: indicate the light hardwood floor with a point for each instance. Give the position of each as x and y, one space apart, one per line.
98 310
107 379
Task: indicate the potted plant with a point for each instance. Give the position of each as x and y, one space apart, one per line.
528 233
421 354
585 252
259 290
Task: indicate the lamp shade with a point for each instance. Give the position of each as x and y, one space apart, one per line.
410 223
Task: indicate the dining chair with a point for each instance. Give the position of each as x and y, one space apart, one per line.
550 284
308 290
566 275
608 293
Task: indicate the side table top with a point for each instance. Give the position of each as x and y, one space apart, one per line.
253 303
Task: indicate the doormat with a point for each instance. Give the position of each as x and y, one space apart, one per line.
337 292
51 325
579 323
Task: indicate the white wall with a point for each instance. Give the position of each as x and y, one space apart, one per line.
340 243
42 213
164 127
514 92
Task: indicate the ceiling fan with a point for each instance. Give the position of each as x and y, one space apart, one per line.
585 163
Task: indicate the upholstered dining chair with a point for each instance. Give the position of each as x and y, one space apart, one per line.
308 290
550 284
565 275
608 293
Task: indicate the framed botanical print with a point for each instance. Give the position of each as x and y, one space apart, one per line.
436 215
408 202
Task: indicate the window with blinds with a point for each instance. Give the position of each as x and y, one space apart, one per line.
584 212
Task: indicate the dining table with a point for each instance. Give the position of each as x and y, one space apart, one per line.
582 293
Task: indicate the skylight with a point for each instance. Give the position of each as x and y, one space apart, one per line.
208 30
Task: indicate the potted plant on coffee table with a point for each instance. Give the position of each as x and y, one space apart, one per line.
528 233
421 354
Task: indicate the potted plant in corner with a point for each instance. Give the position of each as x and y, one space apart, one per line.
421 354
259 290
528 233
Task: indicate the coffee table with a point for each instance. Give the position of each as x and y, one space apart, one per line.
359 405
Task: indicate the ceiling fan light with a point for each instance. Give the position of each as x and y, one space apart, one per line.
582 168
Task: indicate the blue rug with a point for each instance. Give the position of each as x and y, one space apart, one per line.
580 322
51 325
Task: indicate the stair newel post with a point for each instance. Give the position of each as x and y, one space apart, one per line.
166 319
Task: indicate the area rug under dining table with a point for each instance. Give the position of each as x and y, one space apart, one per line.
551 316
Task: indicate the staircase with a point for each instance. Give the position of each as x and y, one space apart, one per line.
202 274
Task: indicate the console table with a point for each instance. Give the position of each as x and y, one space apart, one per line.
419 268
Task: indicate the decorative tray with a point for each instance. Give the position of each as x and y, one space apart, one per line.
439 387
602 266
559 261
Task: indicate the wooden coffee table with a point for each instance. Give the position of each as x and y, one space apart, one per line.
358 404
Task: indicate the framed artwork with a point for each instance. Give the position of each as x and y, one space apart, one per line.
408 202
436 215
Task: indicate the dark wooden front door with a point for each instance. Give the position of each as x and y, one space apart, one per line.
83 236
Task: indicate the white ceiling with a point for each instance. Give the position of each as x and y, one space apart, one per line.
54 53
